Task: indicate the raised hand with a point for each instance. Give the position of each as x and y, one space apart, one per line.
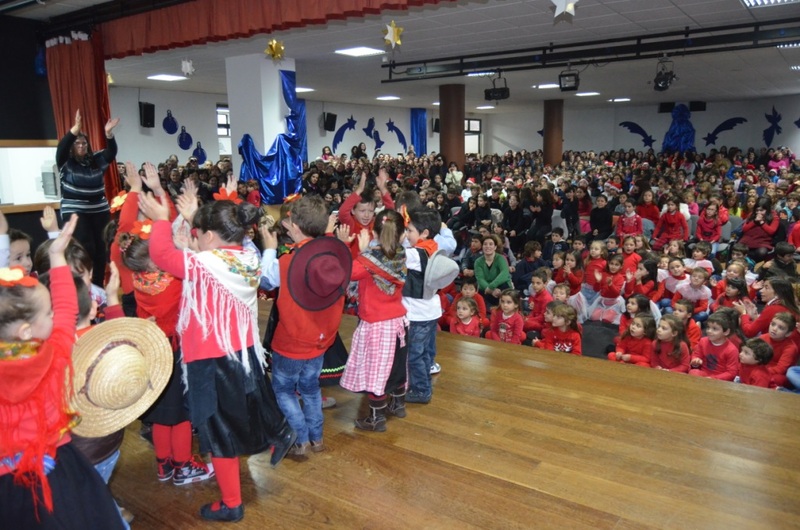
76 128
364 237
231 185
153 207
268 237
112 287
48 220
60 243
110 124
187 206
132 177
343 233
332 220
152 180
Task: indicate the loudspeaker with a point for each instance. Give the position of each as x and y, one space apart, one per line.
697 106
664 108
496 94
329 121
435 125
147 115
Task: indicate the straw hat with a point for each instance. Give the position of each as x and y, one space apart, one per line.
120 369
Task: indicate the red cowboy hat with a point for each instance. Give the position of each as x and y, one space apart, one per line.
319 273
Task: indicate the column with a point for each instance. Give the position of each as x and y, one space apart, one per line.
255 99
451 123
553 145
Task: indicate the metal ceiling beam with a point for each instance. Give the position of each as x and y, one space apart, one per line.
689 42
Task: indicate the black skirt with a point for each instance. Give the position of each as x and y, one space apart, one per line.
234 413
170 408
81 499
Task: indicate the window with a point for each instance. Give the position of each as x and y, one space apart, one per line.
223 121
472 126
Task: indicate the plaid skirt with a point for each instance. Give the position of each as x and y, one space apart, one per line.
372 355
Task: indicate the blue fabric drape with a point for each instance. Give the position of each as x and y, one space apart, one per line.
279 172
680 136
419 131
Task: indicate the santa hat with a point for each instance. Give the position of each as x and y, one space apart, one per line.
470 180
497 179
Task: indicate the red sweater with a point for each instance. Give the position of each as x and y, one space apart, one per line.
514 324
594 264
709 228
346 218
471 328
719 362
759 235
611 284
693 333
375 305
639 349
451 311
537 302
761 324
724 301
630 262
647 288
661 357
649 211
784 355
568 341
629 226
574 279
671 226
755 375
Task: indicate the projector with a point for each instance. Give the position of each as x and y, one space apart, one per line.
496 94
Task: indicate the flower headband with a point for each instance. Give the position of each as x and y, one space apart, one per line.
118 201
142 229
9 277
223 195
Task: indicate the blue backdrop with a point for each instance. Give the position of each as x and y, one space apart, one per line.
419 131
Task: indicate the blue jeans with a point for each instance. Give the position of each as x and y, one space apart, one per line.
589 294
105 468
301 375
421 355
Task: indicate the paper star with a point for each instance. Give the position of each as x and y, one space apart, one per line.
275 50
564 5
391 35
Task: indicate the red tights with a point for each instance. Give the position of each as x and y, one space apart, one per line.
173 441
227 473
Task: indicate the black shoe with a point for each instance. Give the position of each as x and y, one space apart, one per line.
284 442
223 513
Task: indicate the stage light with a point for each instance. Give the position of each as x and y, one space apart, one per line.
664 75
569 81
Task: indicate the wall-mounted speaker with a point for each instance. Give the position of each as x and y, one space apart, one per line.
697 106
147 115
664 108
435 125
329 121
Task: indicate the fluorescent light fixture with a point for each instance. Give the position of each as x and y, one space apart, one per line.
436 103
585 94
618 100
545 86
485 107
387 98
479 74
796 67
767 3
360 51
166 77
789 45
301 89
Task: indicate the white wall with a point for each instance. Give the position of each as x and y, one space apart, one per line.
599 129
21 173
197 112
319 138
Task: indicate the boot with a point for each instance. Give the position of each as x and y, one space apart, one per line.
397 405
376 421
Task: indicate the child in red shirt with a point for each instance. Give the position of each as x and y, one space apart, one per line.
358 211
565 335
636 343
469 289
671 225
784 351
629 223
670 284
506 324
253 195
715 356
671 347
596 262
643 281
735 290
630 259
753 360
609 306
466 321
683 310
537 301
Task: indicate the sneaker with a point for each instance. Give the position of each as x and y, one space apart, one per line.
416 397
166 469
328 402
195 470
317 446
435 369
218 511
299 450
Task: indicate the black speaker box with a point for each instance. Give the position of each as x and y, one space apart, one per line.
697 106
147 115
664 108
329 121
435 125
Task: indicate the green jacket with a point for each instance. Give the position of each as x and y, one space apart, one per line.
496 276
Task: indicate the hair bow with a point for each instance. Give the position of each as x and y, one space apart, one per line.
142 229
11 276
223 195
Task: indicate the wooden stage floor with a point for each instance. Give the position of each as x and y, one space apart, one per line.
519 438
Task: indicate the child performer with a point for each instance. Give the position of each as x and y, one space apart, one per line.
636 344
42 477
218 327
313 278
537 302
715 356
671 347
753 360
565 335
378 354
506 323
358 210
466 321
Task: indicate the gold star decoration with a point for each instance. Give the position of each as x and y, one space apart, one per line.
391 35
274 50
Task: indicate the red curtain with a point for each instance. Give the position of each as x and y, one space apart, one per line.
77 79
205 21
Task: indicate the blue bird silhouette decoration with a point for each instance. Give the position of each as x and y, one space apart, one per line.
339 136
635 128
369 128
774 128
726 125
400 136
377 137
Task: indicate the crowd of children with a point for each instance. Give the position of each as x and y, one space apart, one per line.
190 257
